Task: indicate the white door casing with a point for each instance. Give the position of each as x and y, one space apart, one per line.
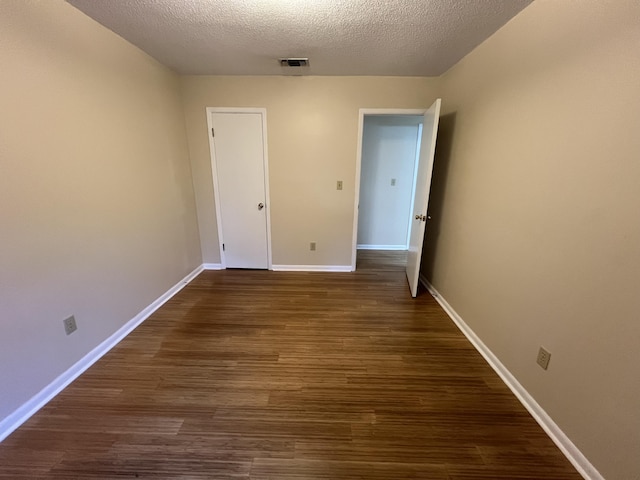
240 181
421 199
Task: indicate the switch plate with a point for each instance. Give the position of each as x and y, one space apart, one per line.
312 246
70 325
393 182
339 185
543 357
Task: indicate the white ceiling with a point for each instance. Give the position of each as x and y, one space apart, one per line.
340 37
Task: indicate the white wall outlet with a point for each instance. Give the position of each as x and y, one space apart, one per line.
543 357
70 325
339 185
312 246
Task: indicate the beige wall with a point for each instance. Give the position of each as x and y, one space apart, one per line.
97 209
539 234
312 125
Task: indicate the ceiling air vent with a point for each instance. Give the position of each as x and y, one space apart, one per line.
294 62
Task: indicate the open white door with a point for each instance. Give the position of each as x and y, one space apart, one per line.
421 199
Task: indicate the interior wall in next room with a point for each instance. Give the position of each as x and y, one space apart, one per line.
389 148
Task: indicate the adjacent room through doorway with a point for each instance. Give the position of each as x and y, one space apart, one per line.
390 148
394 167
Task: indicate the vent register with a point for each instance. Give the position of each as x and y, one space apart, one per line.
294 62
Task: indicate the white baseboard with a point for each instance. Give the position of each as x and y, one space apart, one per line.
24 412
573 454
381 247
311 268
212 266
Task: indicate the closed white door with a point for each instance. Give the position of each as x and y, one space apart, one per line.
239 177
421 197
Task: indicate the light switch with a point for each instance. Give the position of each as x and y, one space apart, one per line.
339 185
393 182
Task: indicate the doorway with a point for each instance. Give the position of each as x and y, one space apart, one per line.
239 165
390 148
373 167
381 133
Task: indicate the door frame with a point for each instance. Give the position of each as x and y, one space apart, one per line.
361 114
214 175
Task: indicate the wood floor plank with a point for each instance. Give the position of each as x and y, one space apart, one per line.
276 469
262 375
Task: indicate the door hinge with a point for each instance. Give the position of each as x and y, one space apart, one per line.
223 247
212 132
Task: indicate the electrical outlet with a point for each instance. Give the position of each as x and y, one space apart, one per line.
70 325
543 358
393 182
339 185
312 246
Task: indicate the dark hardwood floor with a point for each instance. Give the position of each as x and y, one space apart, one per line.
272 375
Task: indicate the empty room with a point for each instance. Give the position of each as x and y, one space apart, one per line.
335 239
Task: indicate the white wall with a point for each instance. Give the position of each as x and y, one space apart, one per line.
539 238
389 145
97 213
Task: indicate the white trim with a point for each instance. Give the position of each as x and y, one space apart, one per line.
382 247
212 266
356 200
361 113
573 454
214 174
214 182
267 195
39 400
311 268
393 111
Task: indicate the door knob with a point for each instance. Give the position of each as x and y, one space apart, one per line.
260 206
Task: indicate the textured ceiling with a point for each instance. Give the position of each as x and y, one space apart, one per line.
340 37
